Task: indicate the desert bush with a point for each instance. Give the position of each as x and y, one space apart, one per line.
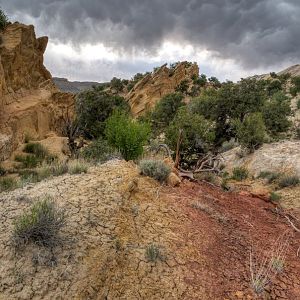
276 112
240 173
288 180
251 132
41 224
93 108
165 111
152 253
77 167
8 184
99 151
295 89
37 149
228 145
270 176
274 196
117 84
156 169
28 161
3 20
127 135
59 168
298 104
197 134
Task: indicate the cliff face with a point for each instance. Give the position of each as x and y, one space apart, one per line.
154 86
28 97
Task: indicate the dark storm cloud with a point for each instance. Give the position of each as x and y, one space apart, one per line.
253 32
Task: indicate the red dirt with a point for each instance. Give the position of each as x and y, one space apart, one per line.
219 234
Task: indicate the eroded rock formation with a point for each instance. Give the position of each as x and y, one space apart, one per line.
154 86
29 101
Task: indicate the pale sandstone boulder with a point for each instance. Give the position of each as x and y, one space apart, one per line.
282 156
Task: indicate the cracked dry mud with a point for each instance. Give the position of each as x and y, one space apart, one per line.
113 214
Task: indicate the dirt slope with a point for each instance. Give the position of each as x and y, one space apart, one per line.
114 214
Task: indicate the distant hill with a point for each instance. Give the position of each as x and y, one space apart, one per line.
74 86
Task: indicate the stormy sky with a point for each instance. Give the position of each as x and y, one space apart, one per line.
99 39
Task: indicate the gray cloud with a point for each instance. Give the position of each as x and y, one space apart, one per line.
256 33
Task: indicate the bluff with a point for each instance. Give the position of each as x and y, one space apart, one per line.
30 104
150 89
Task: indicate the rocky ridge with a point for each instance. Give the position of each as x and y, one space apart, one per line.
146 92
30 104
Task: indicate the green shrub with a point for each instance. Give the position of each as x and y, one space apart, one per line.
197 134
77 167
8 184
41 224
276 112
93 108
37 149
28 161
240 173
59 168
152 253
270 176
127 135
288 180
228 145
298 104
274 196
99 151
156 169
251 132
3 20
165 111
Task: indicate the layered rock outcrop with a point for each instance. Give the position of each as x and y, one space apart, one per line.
150 89
29 101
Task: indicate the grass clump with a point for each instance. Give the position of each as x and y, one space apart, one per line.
155 169
288 180
270 176
40 225
274 196
240 173
152 253
8 184
99 151
37 149
77 167
28 161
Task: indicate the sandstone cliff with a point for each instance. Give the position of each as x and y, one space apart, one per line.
29 102
154 86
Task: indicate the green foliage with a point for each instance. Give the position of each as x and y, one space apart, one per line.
165 111
77 167
298 104
3 20
155 169
117 84
240 173
201 81
230 102
197 133
40 225
288 180
215 82
228 145
295 89
251 132
28 161
274 196
93 108
276 112
127 135
99 151
8 184
273 86
182 87
37 149
152 253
